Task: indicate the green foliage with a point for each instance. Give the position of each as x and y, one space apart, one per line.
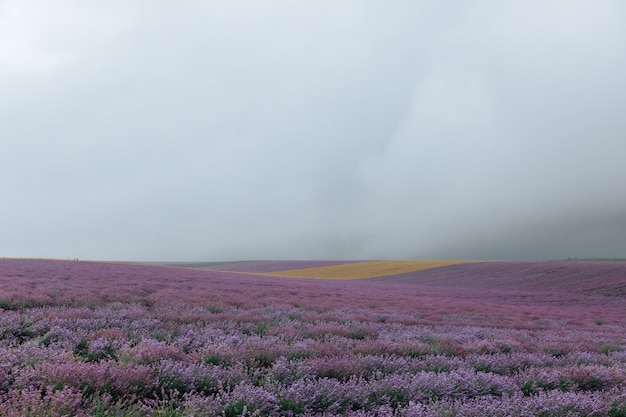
214 359
533 386
265 360
618 410
291 407
169 412
557 352
161 336
261 328
102 407
299 355
214 309
446 347
235 409
358 334
607 348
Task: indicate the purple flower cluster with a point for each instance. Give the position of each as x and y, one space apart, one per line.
118 342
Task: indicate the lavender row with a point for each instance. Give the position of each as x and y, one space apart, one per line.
246 400
297 361
85 339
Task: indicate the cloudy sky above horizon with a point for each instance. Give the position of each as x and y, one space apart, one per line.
226 130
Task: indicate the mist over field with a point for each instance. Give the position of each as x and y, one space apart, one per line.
312 130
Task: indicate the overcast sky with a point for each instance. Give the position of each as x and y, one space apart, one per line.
280 129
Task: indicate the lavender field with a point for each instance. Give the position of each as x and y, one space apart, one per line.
475 339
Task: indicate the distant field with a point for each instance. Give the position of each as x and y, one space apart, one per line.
359 339
571 277
330 270
264 266
362 270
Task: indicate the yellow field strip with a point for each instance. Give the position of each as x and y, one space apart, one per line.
362 270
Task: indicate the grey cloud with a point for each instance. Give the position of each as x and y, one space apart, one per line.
208 130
